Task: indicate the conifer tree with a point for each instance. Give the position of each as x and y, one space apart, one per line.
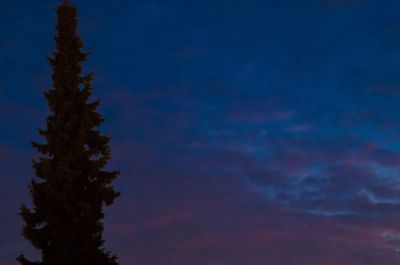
71 184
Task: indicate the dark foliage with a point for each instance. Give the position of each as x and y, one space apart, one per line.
71 185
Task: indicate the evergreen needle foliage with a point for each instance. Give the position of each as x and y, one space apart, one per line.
71 184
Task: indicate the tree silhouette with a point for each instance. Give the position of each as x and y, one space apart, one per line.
71 185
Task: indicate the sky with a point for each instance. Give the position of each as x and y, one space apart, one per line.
248 132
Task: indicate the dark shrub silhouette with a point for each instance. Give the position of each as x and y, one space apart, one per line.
71 185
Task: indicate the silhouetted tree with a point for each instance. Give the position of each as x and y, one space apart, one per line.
71 185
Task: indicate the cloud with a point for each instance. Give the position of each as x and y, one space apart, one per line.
260 117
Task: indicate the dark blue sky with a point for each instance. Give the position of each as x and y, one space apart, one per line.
248 132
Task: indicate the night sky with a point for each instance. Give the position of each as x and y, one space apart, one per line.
247 132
